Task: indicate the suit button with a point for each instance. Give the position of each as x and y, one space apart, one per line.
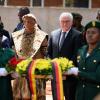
98 86
83 68
83 86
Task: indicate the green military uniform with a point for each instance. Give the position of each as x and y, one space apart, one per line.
89 76
5 81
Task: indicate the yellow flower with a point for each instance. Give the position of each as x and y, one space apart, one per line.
64 63
44 66
22 66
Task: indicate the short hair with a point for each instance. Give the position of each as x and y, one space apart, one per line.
77 15
67 14
24 10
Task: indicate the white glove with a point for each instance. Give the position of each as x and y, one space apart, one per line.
73 71
3 72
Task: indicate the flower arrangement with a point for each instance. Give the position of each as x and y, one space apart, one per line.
44 66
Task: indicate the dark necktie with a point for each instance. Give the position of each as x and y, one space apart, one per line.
62 38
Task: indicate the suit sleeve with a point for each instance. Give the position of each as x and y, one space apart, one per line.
79 42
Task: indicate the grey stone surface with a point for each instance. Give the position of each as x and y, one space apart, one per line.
47 17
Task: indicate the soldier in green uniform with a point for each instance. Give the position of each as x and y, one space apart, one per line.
5 78
88 71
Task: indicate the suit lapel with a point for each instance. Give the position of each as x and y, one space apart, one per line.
58 39
66 39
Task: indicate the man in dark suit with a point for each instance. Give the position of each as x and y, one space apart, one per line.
66 47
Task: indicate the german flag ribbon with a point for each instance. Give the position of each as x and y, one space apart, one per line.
31 79
57 84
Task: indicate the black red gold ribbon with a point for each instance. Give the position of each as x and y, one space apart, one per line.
31 79
57 82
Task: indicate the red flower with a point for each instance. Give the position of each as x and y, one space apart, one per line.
14 61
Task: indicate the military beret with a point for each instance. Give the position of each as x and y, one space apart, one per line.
92 24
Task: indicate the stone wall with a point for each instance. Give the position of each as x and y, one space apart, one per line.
47 17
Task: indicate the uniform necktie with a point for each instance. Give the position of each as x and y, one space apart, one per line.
62 38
